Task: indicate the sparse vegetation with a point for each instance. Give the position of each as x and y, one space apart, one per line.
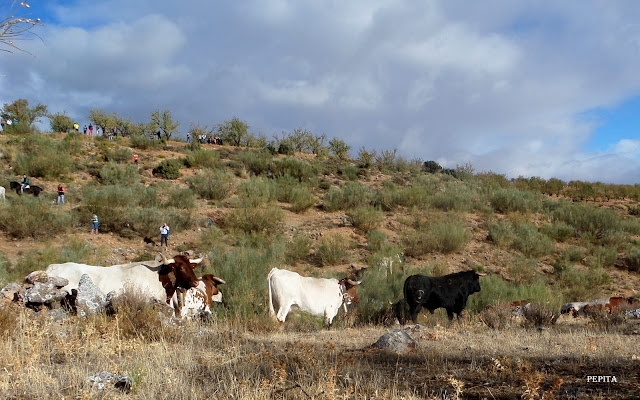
250 211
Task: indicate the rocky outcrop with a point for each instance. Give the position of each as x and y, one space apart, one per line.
397 341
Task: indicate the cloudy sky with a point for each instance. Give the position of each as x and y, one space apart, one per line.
531 88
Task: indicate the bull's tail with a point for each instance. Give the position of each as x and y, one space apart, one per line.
272 311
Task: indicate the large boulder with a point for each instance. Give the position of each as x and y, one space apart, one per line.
397 341
90 299
10 292
43 293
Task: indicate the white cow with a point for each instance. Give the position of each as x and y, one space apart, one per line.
157 279
198 300
318 296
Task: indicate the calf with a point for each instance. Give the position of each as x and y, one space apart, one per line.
198 301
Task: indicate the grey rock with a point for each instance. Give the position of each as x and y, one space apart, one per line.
397 341
36 276
90 299
104 379
10 292
43 293
633 313
208 222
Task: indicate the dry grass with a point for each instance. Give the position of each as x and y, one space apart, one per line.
46 359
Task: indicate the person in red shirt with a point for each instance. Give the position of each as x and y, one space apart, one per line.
135 158
61 192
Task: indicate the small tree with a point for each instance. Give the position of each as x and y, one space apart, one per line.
339 148
61 122
366 158
163 121
431 167
234 131
13 28
20 111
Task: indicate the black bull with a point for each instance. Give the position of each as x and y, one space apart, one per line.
449 292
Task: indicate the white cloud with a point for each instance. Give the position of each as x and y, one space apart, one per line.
502 85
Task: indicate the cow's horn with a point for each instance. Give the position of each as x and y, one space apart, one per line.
196 260
215 278
479 274
353 283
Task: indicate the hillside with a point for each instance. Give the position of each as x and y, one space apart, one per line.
499 226
250 210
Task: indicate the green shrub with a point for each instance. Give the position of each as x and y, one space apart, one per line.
366 218
180 198
377 290
113 174
168 169
455 197
420 191
523 270
349 172
257 192
632 259
574 253
332 249
42 157
439 236
514 200
302 199
298 248
494 289
203 159
33 260
256 162
255 219
351 195
212 184
245 270
143 142
602 256
502 233
301 170
388 197
117 155
531 242
559 230
585 219
376 240
579 284
34 217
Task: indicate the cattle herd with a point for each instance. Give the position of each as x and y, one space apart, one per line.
173 282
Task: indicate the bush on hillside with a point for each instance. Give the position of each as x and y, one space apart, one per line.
350 195
366 218
168 169
114 174
298 248
332 249
514 200
301 170
255 219
29 217
203 159
439 236
212 184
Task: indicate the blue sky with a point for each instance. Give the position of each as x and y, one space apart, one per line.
544 88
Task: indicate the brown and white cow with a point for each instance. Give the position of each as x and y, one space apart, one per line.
157 279
198 301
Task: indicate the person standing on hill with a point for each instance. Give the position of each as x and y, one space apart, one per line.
61 192
94 224
164 234
135 158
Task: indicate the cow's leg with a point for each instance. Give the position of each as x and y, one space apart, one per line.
450 314
414 309
283 311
